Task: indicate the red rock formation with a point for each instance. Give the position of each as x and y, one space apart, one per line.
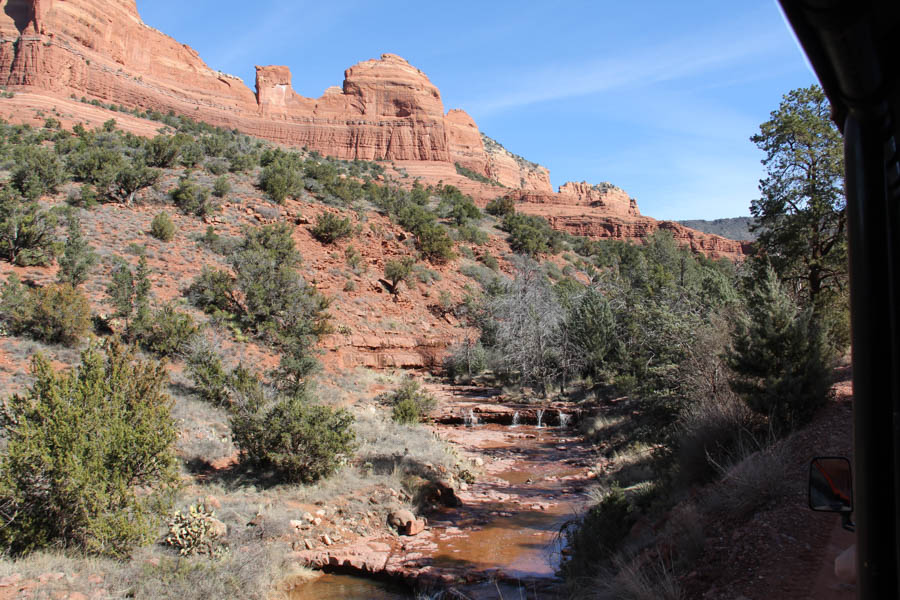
102 50
596 224
606 198
513 171
466 147
386 109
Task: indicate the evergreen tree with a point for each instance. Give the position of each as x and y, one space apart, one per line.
801 216
89 455
778 355
78 257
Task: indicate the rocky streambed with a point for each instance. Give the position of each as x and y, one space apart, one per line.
503 532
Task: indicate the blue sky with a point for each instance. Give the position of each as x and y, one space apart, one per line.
655 96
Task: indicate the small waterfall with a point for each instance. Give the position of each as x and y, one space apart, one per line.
540 416
563 420
470 419
515 420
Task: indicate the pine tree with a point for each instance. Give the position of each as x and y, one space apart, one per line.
778 355
78 257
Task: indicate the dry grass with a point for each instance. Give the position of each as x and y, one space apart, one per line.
633 579
247 571
755 476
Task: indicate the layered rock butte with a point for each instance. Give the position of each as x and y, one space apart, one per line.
386 109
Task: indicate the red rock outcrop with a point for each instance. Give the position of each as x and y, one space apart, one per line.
595 223
513 171
102 50
608 199
466 147
386 108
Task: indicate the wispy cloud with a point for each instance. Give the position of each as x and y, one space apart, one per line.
284 23
668 61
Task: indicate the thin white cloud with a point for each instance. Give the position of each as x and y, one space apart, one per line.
285 23
670 60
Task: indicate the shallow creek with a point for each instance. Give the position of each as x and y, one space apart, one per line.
504 540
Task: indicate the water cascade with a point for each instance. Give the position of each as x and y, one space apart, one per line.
515 419
563 420
540 416
470 419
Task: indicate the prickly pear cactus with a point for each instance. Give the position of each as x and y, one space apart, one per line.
194 531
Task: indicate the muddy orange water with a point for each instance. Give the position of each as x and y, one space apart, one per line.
507 529
511 517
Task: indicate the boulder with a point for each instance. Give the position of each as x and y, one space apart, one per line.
406 522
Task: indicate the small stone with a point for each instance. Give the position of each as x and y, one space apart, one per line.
478 461
308 544
308 517
217 528
320 513
317 521
326 540
297 524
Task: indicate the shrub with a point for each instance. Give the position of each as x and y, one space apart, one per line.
60 313
162 151
410 403
599 534
131 179
465 360
213 290
37 171
466 172
168 331
280 180
489 261
16 305
434 242
457 206
530 234
300 440
129 293
500 207
472 234
89 454
221 187
205 367
330 228
355 260
162 227
192 199
85 197
242 161
78 258
191 155
95 166
396 271
27 232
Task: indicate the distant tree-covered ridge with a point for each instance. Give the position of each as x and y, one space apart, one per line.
733 228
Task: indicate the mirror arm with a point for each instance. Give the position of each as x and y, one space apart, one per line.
846 523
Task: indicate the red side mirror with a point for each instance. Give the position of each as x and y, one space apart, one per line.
830 485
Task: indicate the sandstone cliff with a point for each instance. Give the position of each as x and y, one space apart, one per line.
385 109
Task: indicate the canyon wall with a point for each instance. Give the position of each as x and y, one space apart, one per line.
100 49
385 109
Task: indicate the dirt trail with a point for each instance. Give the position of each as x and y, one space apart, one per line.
785 551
